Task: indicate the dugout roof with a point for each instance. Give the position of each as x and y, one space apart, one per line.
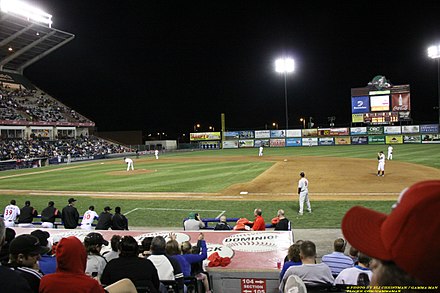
23 42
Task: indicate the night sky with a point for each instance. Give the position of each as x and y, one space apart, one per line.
168 65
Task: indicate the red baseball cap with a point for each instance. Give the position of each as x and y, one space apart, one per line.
409 236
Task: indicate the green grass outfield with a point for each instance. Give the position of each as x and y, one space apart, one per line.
198 177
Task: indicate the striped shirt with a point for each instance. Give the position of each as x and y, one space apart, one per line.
337 261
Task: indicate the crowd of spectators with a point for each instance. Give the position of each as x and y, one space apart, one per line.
35 105
83 146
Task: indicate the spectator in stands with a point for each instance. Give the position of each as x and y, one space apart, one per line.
350 276
222 225
95 261
70 215
105 219
70 277
197 258
49 214
294 259
27 214
193 223
88 218
310 272
11 214
259 224
47 262
283 223
167 268
140 271
114 253
10 281
337 260
353 254
119 221
4 252
404 243
146 246
24 253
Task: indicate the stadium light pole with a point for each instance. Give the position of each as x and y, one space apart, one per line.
434 53
285 66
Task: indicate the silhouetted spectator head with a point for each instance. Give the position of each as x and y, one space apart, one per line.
128 246
364 259
107 209
42 236
25 250
10 235
172 247
339 245
27 203
307 249
406 242
114 242
93 242
13 202
186 247
293 253
50 204
118 210
146 243
71 200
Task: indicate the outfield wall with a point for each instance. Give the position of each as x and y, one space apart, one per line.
375 135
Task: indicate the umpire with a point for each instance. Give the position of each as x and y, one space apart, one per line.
70 215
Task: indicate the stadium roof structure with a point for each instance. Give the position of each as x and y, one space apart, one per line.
24 41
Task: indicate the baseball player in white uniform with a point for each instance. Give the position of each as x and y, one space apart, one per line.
129 163
260 152
390 153
303 192
11 213
88 218
156 154
381 164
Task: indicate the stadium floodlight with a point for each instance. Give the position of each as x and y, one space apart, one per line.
434 53
285 66
25 10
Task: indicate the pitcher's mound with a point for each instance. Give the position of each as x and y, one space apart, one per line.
129 173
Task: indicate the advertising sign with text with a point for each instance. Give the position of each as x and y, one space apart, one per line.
326 141
310 132
339 131
261 142
230 144
231 135
358 130
359 140
205 136
246 143
262 133
247 134
392 130
431 138
277 142
343 140
310 141
293 133
375 129
295 141
277 133
360 104
400 102
410 129
429 128
390 139
376 139
412 139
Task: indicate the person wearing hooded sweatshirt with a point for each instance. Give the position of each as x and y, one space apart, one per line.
70 274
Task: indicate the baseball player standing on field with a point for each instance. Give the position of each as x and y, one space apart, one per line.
381 164
11 213
129 163
260 152
303 192
156 154
390 153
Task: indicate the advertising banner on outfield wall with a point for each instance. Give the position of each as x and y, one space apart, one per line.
262 133
309 132
247 134
339 131
412 139
293 133
326 141
261 142
391 139
358 130
359 140
360 104
277 142
277 133
205 136
246 143
342 140
410 129
293 141
230 144
324 131
376 139
357 118
392 130
310 141
375 129
429 128
232 135
431 138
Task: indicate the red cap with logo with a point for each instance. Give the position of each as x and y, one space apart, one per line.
409 236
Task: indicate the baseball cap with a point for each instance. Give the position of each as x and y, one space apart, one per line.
192 215
95 238
42 236
409 236
27 244
107 208
71 200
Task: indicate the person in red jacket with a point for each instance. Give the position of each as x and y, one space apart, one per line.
259 224
70 274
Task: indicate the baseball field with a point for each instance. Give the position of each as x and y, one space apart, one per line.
160 193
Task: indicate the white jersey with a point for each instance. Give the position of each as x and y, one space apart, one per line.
304 185
381 158
88 217
390 150
128 161
11 213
